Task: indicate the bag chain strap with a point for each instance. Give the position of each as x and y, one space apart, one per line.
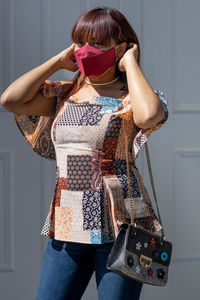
129 182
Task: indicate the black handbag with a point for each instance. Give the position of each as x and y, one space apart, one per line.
138 253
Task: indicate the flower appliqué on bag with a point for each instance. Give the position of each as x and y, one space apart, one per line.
150 272
138 245
164 256
137 269
156 254
160 274
130 260
152 242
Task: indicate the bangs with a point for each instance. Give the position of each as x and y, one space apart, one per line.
98 26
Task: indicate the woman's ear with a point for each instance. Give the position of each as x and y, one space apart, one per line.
121 49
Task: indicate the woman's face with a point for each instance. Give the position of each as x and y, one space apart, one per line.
105 47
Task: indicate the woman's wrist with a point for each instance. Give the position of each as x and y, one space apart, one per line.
129 62
58 63
60 59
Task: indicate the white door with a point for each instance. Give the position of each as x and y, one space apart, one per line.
171 48
34 31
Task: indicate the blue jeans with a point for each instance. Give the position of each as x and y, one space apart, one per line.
68 267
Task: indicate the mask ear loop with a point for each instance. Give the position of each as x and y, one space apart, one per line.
117 57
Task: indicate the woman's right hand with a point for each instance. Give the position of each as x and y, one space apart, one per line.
67 59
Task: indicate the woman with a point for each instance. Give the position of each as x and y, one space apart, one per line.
79 124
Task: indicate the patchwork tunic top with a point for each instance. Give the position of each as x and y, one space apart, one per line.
86 140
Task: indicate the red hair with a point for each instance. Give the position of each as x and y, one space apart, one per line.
102 23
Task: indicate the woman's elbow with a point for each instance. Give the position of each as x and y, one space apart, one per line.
150 121
4 99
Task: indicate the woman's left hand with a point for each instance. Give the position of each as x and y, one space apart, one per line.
130 53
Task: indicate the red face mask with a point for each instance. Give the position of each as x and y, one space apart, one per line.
93 61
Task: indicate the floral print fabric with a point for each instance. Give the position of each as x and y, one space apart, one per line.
86 140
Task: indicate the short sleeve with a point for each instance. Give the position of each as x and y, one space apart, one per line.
165 106
141 135
51 88
37 129
144 133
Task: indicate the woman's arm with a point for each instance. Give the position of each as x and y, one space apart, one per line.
25 87
146 106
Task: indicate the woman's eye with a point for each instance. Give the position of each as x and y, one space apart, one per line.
80 43
98 44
